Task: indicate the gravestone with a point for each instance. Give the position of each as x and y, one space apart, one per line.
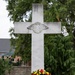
37 28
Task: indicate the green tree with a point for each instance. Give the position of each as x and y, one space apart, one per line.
59 53
59 56
2 67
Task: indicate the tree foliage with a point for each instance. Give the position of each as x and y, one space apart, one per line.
5 67
59 52
2 67
59 56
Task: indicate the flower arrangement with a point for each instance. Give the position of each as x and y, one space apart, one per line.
41 72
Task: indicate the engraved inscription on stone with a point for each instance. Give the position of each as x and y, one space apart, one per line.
37 27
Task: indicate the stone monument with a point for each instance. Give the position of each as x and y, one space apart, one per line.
37 28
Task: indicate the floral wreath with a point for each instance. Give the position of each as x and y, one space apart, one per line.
40 72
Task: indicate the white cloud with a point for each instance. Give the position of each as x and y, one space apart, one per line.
5 23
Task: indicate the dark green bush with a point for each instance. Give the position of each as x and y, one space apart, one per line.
2 67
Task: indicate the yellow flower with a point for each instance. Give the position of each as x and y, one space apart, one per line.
35 72
39 72
42 73
47 73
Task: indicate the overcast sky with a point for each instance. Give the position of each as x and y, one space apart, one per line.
5 23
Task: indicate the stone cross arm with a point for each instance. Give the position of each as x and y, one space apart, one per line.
29 27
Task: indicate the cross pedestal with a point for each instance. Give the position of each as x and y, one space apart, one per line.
37 28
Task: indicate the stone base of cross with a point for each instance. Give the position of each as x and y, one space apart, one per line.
37 28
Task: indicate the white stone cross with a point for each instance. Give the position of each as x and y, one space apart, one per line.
37 28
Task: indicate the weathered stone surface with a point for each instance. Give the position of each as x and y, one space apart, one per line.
18 70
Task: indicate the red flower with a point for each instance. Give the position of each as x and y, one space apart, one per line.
41 70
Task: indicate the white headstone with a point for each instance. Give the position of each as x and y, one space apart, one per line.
37 28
